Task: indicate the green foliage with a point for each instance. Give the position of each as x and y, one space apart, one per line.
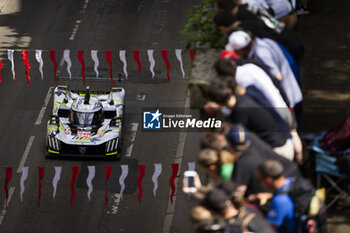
200 30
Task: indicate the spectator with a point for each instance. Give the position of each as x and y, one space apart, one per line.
269 53
216 164
215 141
203 221
229 58
199 214
221 141
226 22
257 119
240 17
220 204
245 162
248 156
279 113
281 214
230 188
249 75
281 10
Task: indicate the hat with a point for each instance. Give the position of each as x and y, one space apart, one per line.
238 136
216 200
227 54
239 40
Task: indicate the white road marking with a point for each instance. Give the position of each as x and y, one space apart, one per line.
115 204
132 136
133 127
75 29
128 151
78 21
178 159
43 108
25 154
141 96
3 212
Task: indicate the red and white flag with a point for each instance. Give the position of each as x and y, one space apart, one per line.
53 59
23 179
179 57
141 169
66 57
109 61
41 171
27 64
80 55
150 53
136 54
108 171
156 174
75 172
123 175
10 57
123 59
167 63
96 61
175 170
8 178
38 57
89 179
55 180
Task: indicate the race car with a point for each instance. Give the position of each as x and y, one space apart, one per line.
86 123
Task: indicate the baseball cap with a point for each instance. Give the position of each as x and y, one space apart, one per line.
238 136
227 54
239 40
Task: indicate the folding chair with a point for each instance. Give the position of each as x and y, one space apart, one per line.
326 167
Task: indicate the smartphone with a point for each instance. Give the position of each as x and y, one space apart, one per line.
189 176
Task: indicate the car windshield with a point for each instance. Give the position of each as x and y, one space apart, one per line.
86 118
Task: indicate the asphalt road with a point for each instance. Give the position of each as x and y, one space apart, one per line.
85 25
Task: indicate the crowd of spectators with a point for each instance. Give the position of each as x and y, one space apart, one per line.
253 182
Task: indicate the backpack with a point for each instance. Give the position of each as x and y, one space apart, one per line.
241 221
248 221
308 205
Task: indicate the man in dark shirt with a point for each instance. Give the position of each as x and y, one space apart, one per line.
254 117
249 152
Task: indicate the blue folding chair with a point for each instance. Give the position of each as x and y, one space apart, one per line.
326 167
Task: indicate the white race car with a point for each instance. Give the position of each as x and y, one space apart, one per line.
86 123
